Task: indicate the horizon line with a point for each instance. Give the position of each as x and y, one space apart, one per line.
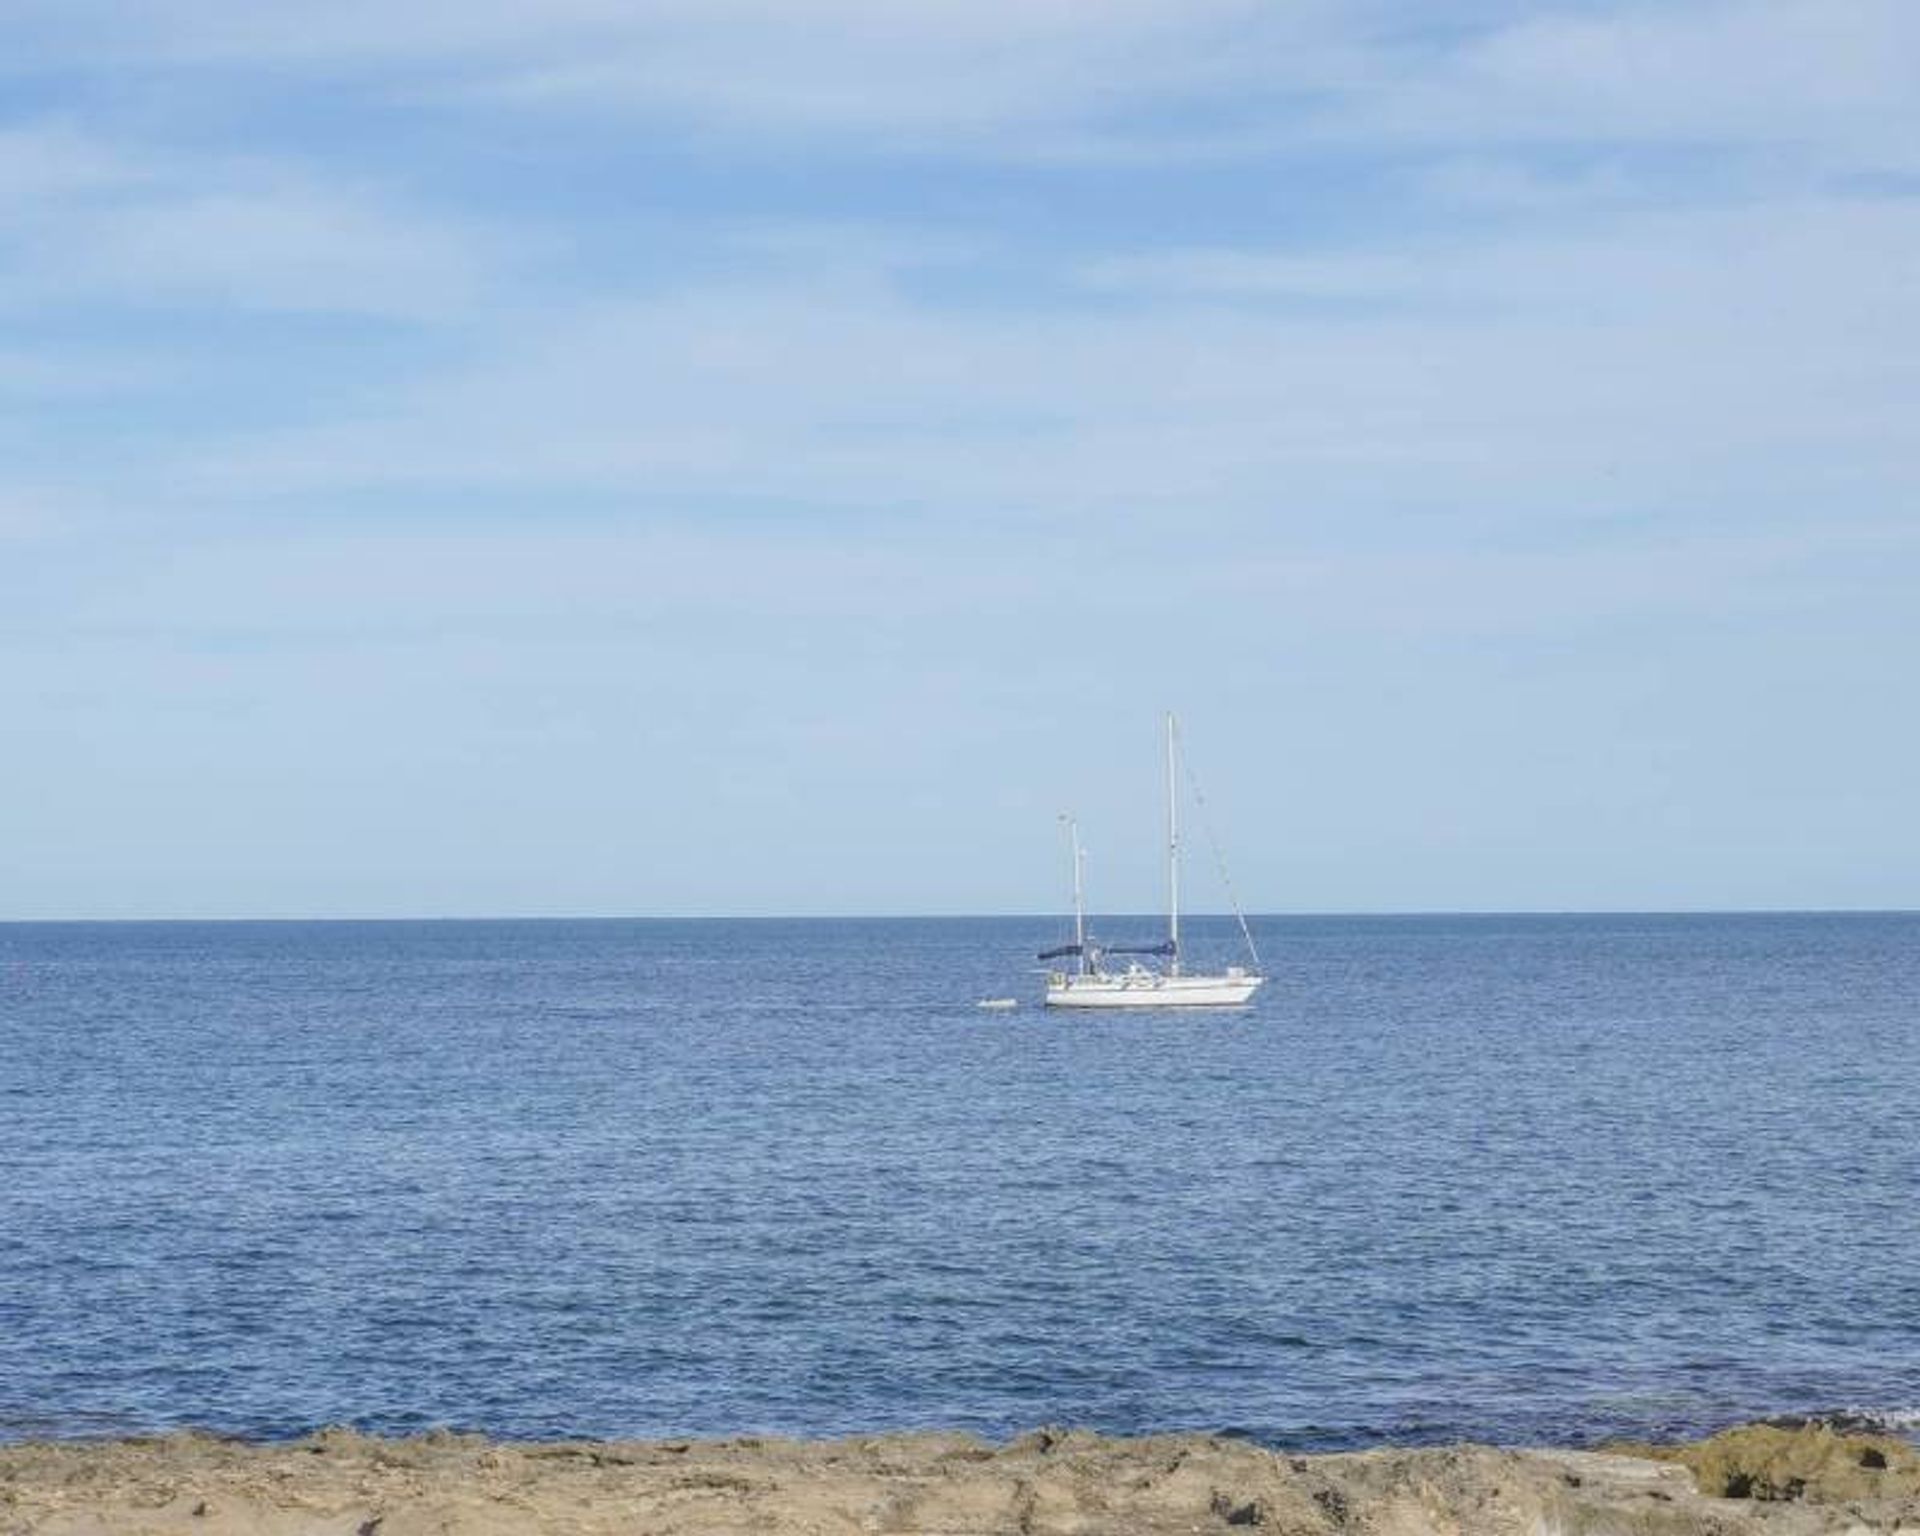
1358 913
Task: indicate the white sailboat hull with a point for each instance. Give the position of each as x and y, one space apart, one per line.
1151 989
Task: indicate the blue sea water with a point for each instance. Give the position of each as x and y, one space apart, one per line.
1509 1178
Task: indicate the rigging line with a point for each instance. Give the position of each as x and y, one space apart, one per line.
1219 858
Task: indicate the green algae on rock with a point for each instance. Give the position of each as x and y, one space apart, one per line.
1812 1462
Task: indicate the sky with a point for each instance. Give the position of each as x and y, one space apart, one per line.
552 457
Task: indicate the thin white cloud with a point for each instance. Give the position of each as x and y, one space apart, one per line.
23 520
43 377
1620 363
279 245
928 74
1512 186
1642 574
1242 274
88 220
1812 261
1050 79
58 160
818 63
1766 70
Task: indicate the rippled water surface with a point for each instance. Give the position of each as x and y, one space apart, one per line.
1507 1178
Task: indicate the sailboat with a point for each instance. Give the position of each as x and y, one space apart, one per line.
1136 984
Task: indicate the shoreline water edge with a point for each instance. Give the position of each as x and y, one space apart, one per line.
1800 1480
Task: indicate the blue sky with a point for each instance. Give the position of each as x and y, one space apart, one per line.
738 457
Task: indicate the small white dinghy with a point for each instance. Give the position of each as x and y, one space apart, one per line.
998 1004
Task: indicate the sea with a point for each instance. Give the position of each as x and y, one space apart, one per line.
1518 1179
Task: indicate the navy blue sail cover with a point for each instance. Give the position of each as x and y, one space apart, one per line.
1055 954
1166 949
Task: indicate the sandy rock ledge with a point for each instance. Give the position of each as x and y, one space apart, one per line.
1070 1483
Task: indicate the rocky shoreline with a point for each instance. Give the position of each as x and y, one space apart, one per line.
1787 1481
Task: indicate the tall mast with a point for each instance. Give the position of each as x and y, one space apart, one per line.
1079 891
1173 854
